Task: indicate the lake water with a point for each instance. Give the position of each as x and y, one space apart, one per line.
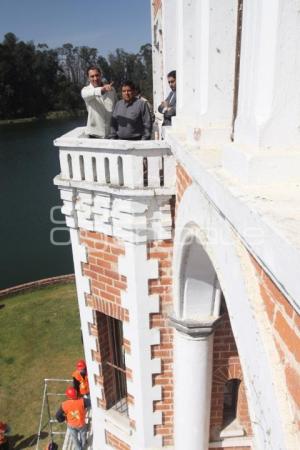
28 164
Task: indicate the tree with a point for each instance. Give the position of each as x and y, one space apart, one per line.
36 79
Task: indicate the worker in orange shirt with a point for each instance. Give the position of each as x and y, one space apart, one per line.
80 379
73 410
4 430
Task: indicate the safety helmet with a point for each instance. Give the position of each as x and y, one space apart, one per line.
71 393
81 365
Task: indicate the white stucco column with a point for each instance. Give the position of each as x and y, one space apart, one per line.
269 102
267 123
205 71
193 357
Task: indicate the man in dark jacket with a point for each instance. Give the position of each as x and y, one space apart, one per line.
168 106
131 119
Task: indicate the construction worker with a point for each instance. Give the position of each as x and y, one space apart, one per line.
80 379
4 430
73 411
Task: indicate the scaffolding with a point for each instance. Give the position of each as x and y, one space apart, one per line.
50 405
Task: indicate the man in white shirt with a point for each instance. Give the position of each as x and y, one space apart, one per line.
100 100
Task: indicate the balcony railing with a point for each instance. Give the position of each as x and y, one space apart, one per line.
115 163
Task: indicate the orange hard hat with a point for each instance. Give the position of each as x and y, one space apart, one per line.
71 393
81 364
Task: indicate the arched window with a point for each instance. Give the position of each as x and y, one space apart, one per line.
231 390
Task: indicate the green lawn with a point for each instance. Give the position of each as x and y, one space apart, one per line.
39 338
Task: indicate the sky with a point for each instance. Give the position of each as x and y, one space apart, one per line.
104 24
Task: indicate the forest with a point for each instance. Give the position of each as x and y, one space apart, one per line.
36 80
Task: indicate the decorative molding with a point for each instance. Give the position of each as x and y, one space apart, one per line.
133 219
195 328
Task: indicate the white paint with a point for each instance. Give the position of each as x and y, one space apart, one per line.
269 106
267 218
192 391
131 218
206 62
113 163
138 270
272 423
270 166
197 282
169 35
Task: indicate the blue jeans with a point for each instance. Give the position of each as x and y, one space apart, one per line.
79 437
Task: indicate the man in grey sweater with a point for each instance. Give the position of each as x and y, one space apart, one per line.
131 118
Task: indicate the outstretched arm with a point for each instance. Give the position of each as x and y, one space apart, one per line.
90 92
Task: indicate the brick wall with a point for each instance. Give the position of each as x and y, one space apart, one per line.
105 299
183 181
226 366
102 270
285 323
162 250
114 442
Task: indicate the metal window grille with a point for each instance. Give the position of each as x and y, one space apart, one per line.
117 363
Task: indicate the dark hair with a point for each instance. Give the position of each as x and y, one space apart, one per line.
93 68
172 74
128 83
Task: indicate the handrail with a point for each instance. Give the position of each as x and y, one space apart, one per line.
115 163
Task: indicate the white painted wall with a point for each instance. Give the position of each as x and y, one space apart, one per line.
269 96
206 64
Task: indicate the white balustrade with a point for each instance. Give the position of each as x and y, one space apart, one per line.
115 163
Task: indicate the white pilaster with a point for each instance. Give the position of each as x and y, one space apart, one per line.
206 66
266 145
138 270
269 106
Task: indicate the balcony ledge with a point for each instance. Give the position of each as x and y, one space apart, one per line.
119 167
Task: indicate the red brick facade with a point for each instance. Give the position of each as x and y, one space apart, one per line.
162 250
183 181
226 366
285 323
114 442
106 286
105 299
